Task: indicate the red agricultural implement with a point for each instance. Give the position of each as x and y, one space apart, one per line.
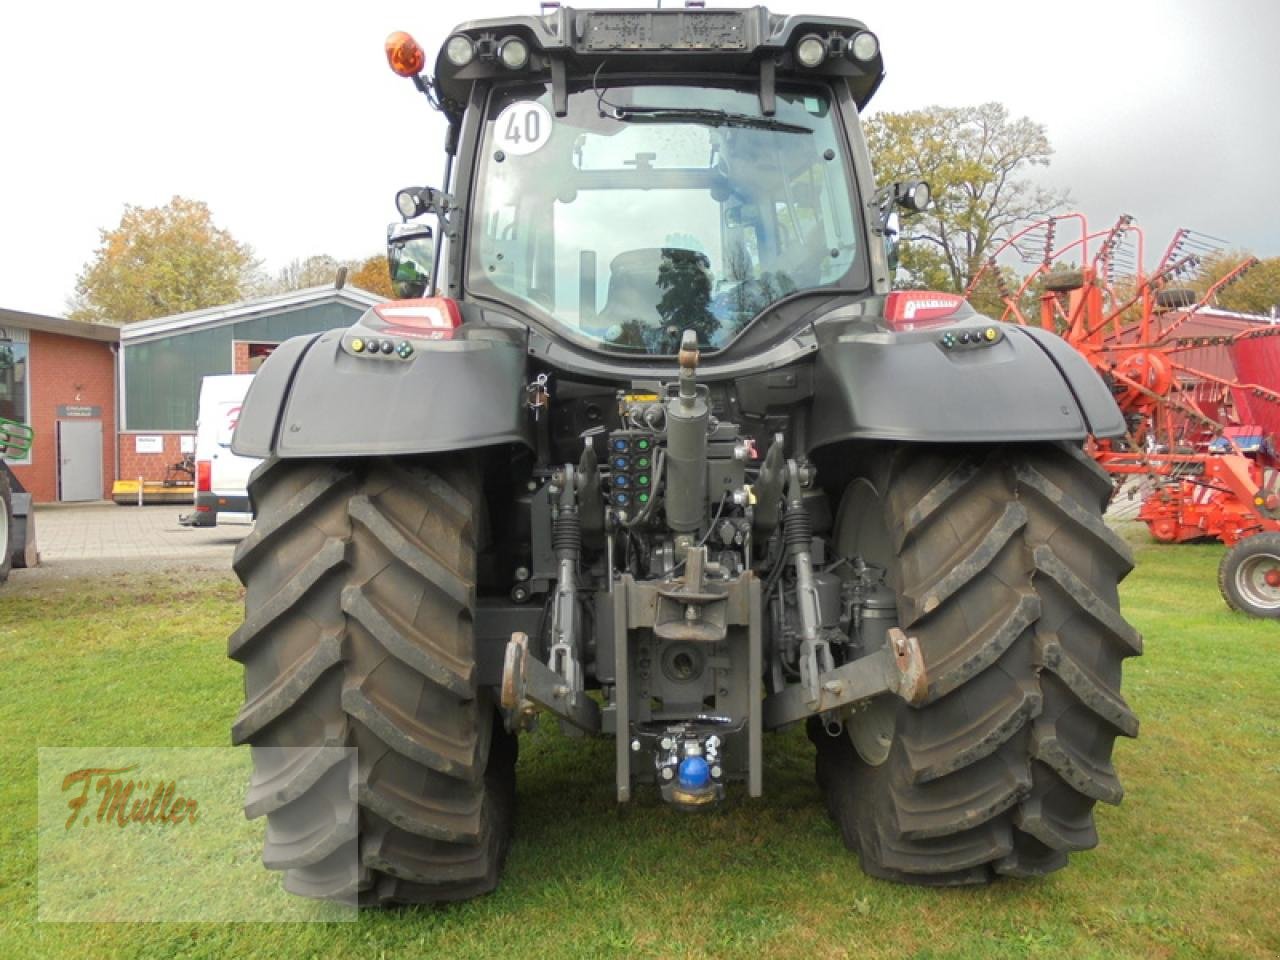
1203 411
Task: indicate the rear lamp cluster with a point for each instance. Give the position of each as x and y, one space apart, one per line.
813 50
512 52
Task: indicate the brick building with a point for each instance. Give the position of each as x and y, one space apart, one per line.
162 362
110 403
58 376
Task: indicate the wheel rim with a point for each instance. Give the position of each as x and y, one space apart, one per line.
861 531
4 532
1258 580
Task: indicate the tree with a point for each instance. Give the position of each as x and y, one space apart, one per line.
321 270
374 275
318 270
973 158
160 261
685 280
1257 290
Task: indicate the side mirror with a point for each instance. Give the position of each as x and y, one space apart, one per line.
411 253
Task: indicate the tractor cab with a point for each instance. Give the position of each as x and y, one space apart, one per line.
625 176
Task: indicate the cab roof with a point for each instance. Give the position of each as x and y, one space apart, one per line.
567 42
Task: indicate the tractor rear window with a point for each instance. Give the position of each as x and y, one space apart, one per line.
649 210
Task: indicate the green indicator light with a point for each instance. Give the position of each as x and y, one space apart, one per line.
643 498
642 462
642 444
643 480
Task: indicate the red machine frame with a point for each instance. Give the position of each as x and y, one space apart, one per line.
1207 483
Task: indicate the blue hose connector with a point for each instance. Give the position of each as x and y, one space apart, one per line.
694 774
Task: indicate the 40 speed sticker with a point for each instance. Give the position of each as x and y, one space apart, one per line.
522 128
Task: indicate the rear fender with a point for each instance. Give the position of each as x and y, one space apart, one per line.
315 397
874 383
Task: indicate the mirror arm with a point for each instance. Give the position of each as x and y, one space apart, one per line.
882 204
559 92
768 87
445 227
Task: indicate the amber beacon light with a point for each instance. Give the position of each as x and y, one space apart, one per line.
404 55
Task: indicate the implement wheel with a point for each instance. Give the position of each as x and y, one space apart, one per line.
1007 576
6 525
1063 281
1249 576
360 592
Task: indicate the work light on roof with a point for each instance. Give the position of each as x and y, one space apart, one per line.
864 46
811 50
460 50
513 52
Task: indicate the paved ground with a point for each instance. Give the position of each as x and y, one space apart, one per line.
78 539
83 539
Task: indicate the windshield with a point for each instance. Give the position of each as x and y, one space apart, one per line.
678 208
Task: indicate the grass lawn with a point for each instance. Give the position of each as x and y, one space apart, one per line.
1189 865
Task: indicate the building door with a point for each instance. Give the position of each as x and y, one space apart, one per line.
79 460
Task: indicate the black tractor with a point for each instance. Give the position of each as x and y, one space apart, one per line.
652 448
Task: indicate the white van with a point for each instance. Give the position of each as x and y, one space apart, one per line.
222 478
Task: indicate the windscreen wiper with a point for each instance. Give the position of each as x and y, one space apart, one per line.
711 118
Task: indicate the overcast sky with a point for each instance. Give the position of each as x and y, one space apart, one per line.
284 118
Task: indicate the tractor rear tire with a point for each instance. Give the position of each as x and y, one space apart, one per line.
360 592
1246 575
1007 576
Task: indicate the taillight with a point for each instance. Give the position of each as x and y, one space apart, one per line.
204 476
433 318
910 309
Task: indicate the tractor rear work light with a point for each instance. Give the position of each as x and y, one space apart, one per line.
811 50
430 318
460 50
204 476
514 53
404 55
864 46
409 203
913 309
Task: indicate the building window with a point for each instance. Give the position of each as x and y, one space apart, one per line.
15 384
248 355
258 353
